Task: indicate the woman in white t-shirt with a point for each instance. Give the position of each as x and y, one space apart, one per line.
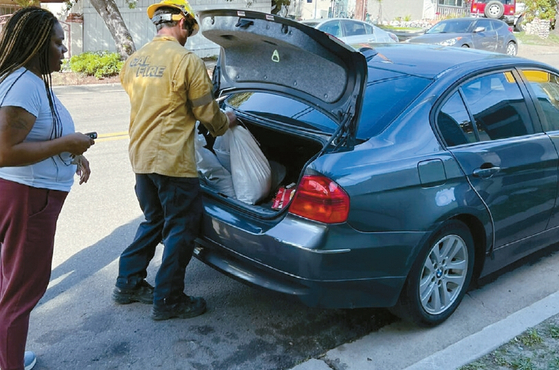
39 154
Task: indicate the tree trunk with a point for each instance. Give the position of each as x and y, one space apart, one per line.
360 10
109 12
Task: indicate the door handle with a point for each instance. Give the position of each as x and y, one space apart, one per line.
485 173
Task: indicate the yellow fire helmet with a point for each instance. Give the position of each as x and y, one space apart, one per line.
182 5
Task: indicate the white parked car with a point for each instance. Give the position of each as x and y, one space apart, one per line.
352 31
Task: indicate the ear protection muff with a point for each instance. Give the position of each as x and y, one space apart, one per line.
164 18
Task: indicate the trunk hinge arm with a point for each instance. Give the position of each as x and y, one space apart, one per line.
344 137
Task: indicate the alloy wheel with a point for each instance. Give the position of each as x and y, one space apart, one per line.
511 48
444 274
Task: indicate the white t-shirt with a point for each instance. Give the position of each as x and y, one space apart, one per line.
26 90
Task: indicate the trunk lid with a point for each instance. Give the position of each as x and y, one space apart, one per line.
263 52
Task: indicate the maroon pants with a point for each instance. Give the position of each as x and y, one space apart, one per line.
27 224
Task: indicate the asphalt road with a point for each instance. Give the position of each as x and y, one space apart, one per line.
76 325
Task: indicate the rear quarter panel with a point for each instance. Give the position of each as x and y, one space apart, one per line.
389 184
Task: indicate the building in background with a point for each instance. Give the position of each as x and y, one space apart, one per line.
387 11
86 31
380 12
7 7
87 25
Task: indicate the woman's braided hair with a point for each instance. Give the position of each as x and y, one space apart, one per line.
25 36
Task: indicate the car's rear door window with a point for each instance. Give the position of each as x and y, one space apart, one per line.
352 28
497 106
493 102
546 89
369 30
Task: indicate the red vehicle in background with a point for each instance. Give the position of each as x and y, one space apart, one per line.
507 10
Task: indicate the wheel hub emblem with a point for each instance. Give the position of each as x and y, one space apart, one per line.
439 273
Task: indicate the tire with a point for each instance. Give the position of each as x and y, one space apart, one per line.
494 10
519 26
512 49
446 261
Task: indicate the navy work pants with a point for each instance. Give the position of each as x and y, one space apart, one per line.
28 219
172 208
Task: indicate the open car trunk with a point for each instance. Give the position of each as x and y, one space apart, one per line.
288 154
278 57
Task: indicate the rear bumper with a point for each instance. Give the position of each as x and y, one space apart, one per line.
346 290
329 266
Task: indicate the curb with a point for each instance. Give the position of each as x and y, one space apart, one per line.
462 352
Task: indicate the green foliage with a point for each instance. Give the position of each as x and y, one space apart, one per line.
523 363
98 64
499 359
530 338
132 4
278 4
542 9
554 365
26 3
554 331
552 40
474 366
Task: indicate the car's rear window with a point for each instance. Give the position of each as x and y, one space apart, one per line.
283 109
388 93
386 96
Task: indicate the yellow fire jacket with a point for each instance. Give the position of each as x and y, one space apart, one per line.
169 89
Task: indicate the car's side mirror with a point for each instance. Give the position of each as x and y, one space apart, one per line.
479 29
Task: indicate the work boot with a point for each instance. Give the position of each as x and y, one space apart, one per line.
182 307
143 292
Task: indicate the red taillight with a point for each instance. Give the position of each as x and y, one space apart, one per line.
321 199
511 30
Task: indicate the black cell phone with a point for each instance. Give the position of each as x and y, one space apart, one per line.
92 135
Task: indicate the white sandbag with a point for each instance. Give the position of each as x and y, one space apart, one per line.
221 149
211 170
250 169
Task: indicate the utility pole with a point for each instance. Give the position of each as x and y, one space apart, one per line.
360 9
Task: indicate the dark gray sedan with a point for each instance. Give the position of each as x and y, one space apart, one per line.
408 171
476 33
